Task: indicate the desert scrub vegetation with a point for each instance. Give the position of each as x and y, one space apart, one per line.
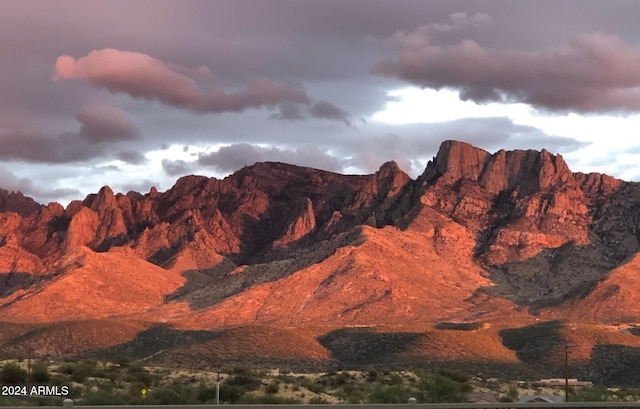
111 383
12 374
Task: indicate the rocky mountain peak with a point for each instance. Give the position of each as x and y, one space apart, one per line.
525 170
18 203
457 160
105 199
390 179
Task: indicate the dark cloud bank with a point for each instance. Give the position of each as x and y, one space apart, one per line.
592 73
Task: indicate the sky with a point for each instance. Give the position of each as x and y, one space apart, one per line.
137 94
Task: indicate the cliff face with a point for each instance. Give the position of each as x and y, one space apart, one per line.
543 233
505 230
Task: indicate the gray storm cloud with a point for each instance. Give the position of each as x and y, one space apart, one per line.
101 126
318 109
12 182
233 157
592 73
104 123
131 157
176 167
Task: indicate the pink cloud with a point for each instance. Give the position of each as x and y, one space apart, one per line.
142 76
591 73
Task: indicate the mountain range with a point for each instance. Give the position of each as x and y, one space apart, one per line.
489 261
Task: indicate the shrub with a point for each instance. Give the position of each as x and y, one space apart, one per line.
318 400
112 373
352 393
313 386
136 373
239 370
121 361
79 371
390 394
272 387
593 394
12 374
268 400
438 388
341 378
186 393
165 396
103 398
231 393
457 376
250 383
287 378
394 379
512 395
40 372
205 395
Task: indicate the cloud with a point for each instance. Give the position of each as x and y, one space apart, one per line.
131 157
9 181
104 123
40 147
100 127
461 20
233 157
411 146
326 110
142 76
318 109
592 73
176 167
290 112
142 186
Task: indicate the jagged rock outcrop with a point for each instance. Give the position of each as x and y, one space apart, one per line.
82 229
18 203
522 171
539 228
513 200
302 225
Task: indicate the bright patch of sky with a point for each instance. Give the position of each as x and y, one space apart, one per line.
610 136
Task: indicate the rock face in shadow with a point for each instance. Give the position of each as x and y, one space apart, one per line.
18 203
